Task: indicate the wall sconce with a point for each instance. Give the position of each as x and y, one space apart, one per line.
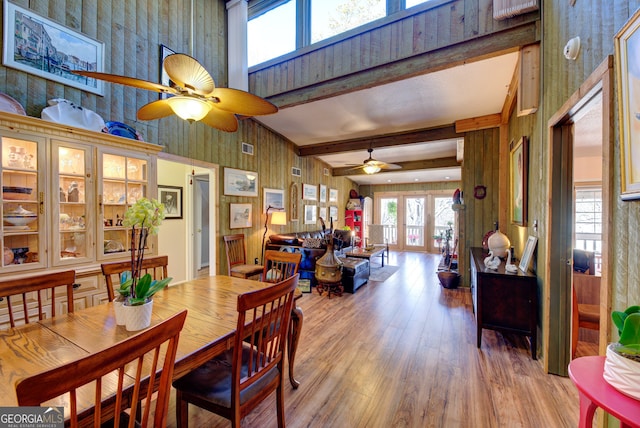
572 49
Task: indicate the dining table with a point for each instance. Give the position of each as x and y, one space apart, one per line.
209 330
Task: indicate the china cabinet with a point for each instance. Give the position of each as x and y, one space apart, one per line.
64 194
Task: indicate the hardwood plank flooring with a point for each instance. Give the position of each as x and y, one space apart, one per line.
402 353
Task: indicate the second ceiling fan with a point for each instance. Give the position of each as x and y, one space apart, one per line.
193 95
372 166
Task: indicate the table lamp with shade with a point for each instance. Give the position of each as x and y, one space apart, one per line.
278 217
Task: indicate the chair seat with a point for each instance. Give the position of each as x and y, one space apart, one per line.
211 382
244 271
589 313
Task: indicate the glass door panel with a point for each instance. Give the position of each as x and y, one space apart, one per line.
414 220
22 210
73 241
443 217
389 218
124 181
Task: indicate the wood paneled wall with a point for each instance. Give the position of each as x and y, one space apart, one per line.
132 32
385 51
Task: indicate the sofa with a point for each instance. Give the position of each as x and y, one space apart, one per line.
311 245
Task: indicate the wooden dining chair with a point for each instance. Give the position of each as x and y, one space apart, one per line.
23 295
234 383
155 266
584 315
280 265
237 258
113 369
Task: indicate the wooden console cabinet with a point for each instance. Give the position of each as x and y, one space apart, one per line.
506 302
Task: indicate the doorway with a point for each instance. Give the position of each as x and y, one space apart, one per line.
595 95
201 205
413 220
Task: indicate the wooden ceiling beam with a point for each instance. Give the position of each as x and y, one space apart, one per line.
389 140
448 162
480 122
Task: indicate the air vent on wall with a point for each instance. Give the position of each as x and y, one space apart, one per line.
503 9
326 171
296 171
247 148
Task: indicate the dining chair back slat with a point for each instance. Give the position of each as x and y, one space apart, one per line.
155 266
280 265
234 383
122 361
237 258
38 291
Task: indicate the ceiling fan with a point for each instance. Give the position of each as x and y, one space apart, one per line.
372 166
194 95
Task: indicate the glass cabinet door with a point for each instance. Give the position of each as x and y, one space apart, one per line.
22 202
72 196
124 180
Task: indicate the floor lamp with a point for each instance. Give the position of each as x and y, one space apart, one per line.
279 217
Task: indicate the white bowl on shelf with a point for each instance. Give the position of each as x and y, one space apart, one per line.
20 220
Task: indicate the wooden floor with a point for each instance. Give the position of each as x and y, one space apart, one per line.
402 353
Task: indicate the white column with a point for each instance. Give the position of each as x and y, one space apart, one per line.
237 15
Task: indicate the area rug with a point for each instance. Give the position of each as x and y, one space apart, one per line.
382 273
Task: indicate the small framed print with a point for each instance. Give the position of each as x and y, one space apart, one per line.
309 192
519 174
239 216
527 254
323 213
323 193
272 198
171 198
164 77
333 195
310 214
333 214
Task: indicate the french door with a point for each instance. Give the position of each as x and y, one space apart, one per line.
413 220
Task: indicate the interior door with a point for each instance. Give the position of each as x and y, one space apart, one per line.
415 221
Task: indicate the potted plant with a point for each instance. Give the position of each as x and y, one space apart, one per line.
144 217
622 363
449 278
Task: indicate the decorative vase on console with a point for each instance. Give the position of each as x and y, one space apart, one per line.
328 267
622 362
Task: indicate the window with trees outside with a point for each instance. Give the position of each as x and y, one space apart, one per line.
588 221
277 27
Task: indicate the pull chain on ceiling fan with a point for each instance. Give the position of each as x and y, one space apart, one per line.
372 166
194 95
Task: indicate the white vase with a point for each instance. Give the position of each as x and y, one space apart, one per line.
622 373
138 317
118 304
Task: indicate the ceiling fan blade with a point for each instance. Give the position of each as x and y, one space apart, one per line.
155 110
242 102
129 81
188 73
221 120
385 165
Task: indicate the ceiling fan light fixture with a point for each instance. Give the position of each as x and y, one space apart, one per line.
188 108
371 168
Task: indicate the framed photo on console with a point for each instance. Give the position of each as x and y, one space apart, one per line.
527 254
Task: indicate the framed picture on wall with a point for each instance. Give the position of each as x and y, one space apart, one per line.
273 198
333 195
323 193
519 165
310 214
333 215
309 192
323 213
164 77
53 53
239 216
171 198
240 183
627 52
